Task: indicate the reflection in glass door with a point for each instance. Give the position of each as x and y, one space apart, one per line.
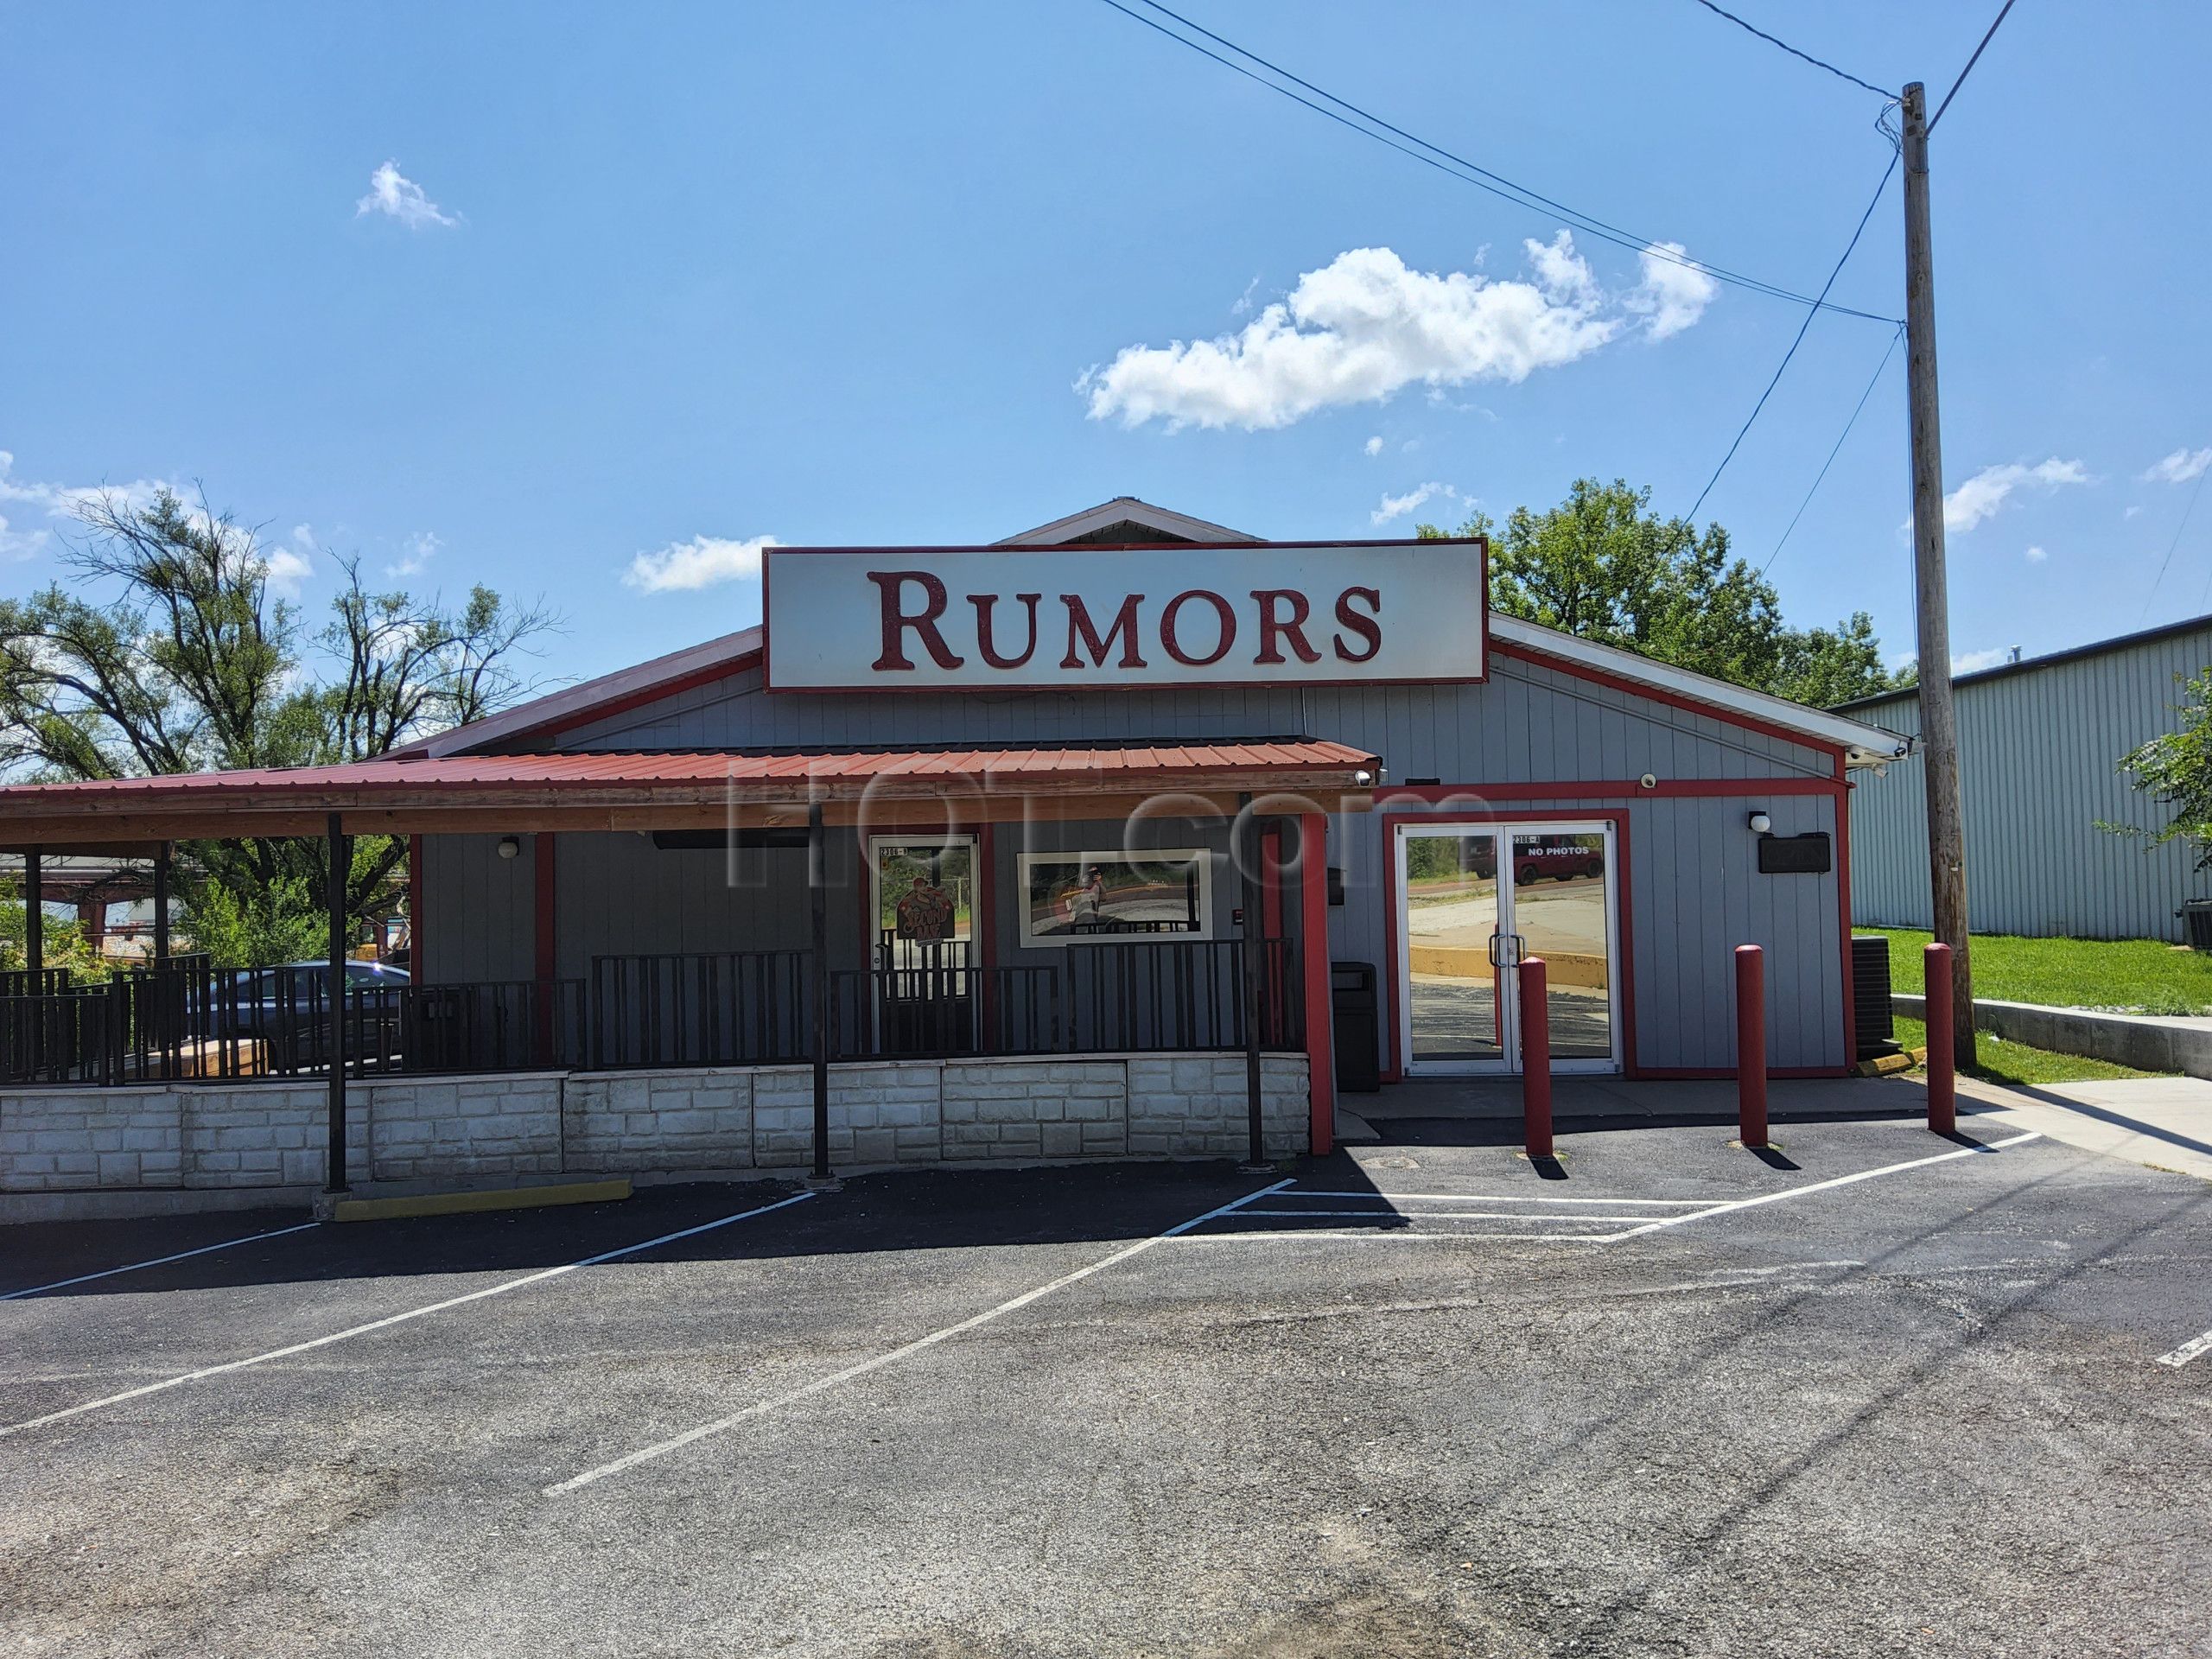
1463 930
923 905
1453 954
1562 912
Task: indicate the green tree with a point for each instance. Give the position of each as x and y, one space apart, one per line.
168 652
1603 566
2176 771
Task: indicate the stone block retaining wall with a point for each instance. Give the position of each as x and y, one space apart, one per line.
245 1134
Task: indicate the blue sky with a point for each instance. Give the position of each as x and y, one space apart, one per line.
652 283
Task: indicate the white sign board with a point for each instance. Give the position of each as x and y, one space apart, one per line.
1260 613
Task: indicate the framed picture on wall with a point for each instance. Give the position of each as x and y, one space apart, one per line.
1070 898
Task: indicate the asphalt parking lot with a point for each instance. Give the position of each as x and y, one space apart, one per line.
1880 1393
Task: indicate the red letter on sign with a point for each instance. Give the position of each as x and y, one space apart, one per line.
1273 627
1125 624
923 622
1174 648
1367 627
982 603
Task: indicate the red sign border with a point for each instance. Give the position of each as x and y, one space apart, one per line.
1047 549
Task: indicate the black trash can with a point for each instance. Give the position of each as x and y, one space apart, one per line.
2196 923
1356 1020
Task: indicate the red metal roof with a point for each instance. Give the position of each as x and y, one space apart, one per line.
629 772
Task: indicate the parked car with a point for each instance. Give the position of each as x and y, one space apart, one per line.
1561 858
289 999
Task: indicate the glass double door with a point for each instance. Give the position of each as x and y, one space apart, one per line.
1474 901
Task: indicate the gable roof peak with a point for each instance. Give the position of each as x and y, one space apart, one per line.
1148 521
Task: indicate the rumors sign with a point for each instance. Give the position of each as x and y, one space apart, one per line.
1248 613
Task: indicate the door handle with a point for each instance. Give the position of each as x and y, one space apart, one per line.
1494 961
1520 949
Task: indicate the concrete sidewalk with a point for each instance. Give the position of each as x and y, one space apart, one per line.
1617 1098
2163 1122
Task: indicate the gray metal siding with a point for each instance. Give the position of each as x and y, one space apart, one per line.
1528 724
479 911
621 895
1693 893
2038 759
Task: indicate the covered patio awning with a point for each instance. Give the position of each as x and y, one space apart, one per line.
644 791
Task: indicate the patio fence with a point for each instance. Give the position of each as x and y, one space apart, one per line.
188 1020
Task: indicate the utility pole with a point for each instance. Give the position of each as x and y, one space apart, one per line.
1938 727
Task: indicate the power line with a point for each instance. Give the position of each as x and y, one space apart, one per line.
1817 63
1450 165
1800 340
1832 453
1968 70
2176 543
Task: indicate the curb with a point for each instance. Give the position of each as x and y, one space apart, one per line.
1890 1065
452 1204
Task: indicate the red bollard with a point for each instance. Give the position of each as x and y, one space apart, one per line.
1750 1044
1535 1059
1942 1075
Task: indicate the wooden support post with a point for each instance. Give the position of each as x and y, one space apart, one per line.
162 904
33 919
341 870
817 875
1243 843
545 962
1939 726
1320 1010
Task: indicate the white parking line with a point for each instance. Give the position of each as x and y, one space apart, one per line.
1695 1210
1517 1197
1830 1184
2187 1350
538 1277
823 1385
157 1262
1444 1215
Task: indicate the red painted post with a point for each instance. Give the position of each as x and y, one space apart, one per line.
1943 1075
1535 1059
1750 1044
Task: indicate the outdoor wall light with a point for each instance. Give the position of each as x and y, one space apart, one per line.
1761 824
510 845
1362 778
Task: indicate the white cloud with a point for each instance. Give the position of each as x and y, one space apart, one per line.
2129 512
1974 660
2180 466
1365 326
397 196
1987 490
21 540
288 569
1244 300
1672 295
1373 446
2037 555
416 551
1397 506
700 563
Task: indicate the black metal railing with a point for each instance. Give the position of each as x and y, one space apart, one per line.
730 1007
189 1020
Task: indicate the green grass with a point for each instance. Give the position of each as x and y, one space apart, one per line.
2003 1062
2131 976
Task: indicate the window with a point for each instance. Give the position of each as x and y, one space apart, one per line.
924 900
1069 898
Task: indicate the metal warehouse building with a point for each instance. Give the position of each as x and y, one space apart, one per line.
1047 848
2040 747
